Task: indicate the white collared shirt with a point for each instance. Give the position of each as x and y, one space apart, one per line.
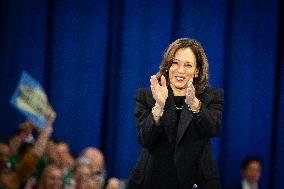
247 185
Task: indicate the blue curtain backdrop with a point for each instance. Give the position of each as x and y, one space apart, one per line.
92 55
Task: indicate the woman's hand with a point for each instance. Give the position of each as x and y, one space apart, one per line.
159 92
190 98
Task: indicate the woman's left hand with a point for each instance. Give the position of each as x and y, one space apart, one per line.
190 98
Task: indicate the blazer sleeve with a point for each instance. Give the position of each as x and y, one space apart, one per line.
148 132
210 117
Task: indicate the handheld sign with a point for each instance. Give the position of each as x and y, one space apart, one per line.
31 100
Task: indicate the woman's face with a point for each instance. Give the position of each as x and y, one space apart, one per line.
53 179
183 69
82 173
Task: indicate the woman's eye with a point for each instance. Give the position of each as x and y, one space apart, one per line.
174 62
188 65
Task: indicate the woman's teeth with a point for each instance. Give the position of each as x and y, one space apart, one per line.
180 78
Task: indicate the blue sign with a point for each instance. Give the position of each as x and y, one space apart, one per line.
31 100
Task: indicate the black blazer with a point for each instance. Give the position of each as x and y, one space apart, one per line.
191 154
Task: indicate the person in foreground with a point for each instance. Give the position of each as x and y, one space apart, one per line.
176 118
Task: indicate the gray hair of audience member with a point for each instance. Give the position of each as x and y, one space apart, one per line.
96 157
83 161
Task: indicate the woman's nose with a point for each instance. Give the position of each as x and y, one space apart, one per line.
181 68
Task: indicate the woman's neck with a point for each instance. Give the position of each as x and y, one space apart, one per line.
179 92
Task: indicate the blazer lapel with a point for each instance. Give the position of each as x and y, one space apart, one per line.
184 122
186 117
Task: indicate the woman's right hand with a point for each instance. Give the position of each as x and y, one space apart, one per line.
159 92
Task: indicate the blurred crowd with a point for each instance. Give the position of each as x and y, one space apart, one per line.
30 159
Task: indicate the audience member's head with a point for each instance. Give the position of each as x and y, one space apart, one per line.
5 172
251 169
4 154
23 134
63 155
27 127
63 147
6 177
113 183
51 178
50 152
96 157
83 176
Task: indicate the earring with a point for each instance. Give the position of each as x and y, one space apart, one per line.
195 76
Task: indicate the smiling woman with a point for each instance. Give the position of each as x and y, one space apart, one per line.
182 70
175 120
